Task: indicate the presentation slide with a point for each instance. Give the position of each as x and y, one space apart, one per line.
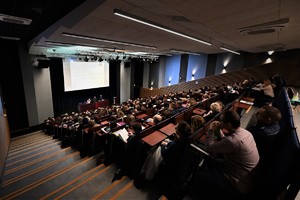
85 75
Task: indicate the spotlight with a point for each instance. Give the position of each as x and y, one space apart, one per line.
86 59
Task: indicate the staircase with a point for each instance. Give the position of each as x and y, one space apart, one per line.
38 168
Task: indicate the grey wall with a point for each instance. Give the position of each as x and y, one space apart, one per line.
146 76
37 87
125 81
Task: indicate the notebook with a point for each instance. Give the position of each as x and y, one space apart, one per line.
123 134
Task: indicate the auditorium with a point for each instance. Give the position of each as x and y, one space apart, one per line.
150 99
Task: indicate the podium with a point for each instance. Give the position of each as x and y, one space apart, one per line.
92 106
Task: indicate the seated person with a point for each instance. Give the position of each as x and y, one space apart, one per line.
129 118
179 106
265 131
191 102
263 93
232 158
132 156
157 118
172 108
215 108
197 121
88 101
165 114
94 99
172 152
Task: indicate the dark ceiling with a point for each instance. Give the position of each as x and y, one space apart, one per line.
245 26
42 13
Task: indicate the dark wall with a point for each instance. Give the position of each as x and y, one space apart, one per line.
114 81
183 68
153 74
11 82
211 65
137 71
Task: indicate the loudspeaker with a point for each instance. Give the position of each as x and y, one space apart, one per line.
43 63
126 64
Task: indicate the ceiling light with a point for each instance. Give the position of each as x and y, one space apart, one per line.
9 38
184 52
107 41
148 23
15 19
229 50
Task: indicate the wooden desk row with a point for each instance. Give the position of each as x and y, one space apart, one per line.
158 136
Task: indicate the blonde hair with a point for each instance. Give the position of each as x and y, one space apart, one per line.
216 107
196 122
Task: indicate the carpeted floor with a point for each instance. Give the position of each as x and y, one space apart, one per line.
38 168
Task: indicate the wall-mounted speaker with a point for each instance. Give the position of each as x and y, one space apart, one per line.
43 63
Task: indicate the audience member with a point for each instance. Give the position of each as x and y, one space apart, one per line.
265 131
88 101
165 114
226 173
263 93
172 152
215 108
197 121
133 156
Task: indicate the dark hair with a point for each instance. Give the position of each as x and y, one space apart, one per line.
231 117
273 113
183 130
113 125
137 127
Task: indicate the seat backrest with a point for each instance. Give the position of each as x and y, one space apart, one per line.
274 179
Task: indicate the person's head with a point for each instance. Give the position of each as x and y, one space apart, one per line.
230 120
221 104
267 115
216 107
91 122
183 130
192 101
130 118
196 122
165 114
85 120
157 118
137 127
